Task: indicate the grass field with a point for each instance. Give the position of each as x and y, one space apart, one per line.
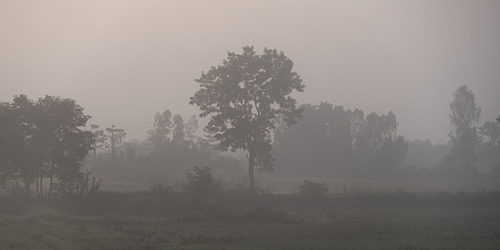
327 229
242 220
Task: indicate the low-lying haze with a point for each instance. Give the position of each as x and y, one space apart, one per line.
125 60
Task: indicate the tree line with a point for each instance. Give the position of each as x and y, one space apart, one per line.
41 141
250 109
248 99
170 151
331 141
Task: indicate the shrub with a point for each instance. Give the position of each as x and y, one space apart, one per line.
315 189
161 189
201 182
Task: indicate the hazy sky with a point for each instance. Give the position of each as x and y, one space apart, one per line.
125 60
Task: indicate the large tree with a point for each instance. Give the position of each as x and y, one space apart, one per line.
242 96
464 115
17 153
62 142
45 140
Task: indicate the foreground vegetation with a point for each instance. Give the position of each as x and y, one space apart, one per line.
247 220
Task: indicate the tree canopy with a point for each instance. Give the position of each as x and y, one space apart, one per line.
44 139
242 96
464 114
331 141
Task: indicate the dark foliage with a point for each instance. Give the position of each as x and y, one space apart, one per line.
242 96
201 182
313 189
43 141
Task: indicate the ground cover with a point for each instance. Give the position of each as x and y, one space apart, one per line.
364 221
327 229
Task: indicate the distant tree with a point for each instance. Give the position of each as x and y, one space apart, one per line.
376 144
116 136
190 129
177 149
178 129
488 152
242 96
318 145
392 154
99 141
464 114
492 131
130 155
422 154
159 136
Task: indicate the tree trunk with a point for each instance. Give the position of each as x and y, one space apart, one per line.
39 182
41 186
95 154
251 164
27 186
37 187
51 176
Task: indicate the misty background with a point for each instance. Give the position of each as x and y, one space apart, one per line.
125 60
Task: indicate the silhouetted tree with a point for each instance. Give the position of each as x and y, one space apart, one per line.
177 149
488 152
376 144
116 136
159 136
99 141
190 129
464 114
178 129
318 145
18 154
423 154
46 141
242 96
60 134
492 131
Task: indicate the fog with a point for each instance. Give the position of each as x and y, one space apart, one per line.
125 60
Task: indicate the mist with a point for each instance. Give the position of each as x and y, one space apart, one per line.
124 61
128 124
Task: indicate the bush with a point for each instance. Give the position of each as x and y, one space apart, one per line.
161 189
315 189
201 182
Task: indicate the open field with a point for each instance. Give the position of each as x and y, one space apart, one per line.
243 220
327 229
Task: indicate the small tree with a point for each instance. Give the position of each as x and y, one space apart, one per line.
242 96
